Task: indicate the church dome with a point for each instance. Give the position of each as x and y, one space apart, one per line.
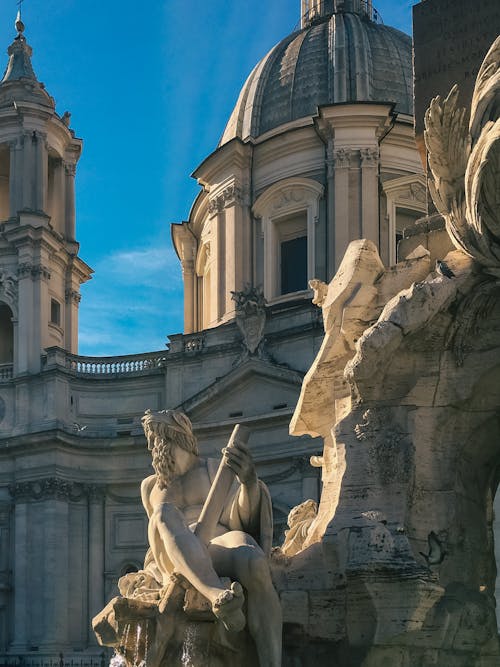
342 57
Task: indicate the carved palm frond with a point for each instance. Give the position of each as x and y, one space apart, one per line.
465 165
448 143
485 101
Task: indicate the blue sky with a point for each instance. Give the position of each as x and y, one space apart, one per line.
150 87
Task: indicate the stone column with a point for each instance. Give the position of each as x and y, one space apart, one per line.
15 176
190 300
41 171
369 194
238 246
341 159
70 230
270 254
330 209
59 196
26 324
38 335
72 298
20 578
216 261
29 174
96 565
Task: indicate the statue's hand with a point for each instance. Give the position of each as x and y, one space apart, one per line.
240 461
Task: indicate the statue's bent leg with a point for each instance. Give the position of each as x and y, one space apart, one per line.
175 547
237 555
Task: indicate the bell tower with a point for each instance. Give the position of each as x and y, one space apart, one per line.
40 271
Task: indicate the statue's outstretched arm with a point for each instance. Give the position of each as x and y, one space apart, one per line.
248 499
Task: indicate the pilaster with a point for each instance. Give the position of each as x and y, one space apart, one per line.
16 175
70 226
189 279
55 565
369 194
341 164
21 581
96 528
216 263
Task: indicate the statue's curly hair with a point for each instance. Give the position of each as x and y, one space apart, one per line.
171 427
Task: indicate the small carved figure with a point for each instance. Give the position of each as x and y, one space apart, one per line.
299 521
320 291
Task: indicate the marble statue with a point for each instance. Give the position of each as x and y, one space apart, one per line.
209 524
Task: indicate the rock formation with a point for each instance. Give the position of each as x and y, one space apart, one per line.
405 393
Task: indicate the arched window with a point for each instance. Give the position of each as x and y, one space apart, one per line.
406 202
6 335
289 212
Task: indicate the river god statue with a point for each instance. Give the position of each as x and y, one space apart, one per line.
210 524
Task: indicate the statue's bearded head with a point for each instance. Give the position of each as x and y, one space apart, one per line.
164 430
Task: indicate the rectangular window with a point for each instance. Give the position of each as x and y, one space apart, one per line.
294 265
55 312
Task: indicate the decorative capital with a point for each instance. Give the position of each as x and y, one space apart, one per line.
230 196
33 270
57 489
369 157
73 296
342 158
95 492
187 266
70 168
41 490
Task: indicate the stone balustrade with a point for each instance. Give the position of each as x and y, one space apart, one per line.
6 372
56 357
106 366
54 660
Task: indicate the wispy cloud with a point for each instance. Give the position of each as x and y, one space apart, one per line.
133 302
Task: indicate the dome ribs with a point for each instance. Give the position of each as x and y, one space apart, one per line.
391 84
341 58
359 57
339 73
310 84
276 99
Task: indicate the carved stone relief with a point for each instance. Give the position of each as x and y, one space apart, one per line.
8 287
251 319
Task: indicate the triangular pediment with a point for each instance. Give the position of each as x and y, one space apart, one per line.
252 388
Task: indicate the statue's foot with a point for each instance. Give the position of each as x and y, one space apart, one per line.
228 608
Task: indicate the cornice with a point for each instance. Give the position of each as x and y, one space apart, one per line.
231 157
